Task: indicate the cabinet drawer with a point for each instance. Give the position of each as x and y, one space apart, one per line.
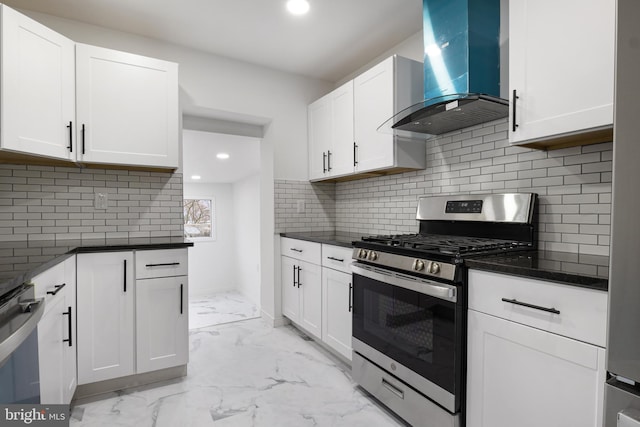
337 257
301 249
161 263
50 281
583 312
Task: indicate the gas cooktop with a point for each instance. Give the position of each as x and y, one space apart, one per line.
446 244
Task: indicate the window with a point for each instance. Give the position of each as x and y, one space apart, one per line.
199 219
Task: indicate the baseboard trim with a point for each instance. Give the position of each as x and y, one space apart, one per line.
87 393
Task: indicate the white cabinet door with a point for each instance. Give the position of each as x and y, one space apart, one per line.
336 310
162 319
38 88
526 377
373 105
51 352
564 83
127 108
310 289
341 159
319 118
106 303
70 368
290 294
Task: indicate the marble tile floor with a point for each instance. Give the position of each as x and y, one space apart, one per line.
220 308
245 374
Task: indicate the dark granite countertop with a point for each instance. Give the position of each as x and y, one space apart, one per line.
588 271
21 261
327 237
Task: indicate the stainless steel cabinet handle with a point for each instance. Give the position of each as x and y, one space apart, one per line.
335 259
324 162
296 250
58 288
328 161
393 389
299 270
125 275
70 339
536 307
350 297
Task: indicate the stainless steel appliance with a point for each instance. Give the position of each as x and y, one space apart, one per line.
409 301
19 368
622 391
461 69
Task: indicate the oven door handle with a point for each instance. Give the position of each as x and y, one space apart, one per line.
427 287
13 341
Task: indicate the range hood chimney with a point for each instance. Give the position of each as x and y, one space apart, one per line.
461 69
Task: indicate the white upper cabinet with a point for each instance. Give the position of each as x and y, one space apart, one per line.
561 67
386 89
343 126
341 159
127 108
37 93
331 144
319 119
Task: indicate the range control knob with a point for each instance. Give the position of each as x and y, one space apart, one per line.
434 268
418 265
363 254
373 255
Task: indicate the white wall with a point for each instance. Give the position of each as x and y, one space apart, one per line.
212 265
246 206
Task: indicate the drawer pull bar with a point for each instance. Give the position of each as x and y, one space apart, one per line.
335 259
393 389
296 250
58 288
166 264
70 339
537 307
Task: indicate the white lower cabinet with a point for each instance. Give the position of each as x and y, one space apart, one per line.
525 377
316 291
106 304
128 326
519 373
336 310
162 310
56 334
302 294
51 352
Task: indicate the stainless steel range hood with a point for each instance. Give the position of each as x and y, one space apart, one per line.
461 69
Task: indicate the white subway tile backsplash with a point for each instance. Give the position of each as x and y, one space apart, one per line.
573 185
47 203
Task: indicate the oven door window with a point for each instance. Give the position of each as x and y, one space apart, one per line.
416 330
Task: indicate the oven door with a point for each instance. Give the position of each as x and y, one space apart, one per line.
19 368
412 328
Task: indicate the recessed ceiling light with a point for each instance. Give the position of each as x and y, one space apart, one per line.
222 156
195 177
298 7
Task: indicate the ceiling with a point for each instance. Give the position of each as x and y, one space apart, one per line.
199 157
333 40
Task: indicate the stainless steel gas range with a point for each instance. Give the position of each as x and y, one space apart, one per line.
409 301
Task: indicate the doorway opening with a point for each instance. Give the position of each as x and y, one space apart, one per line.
222 217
